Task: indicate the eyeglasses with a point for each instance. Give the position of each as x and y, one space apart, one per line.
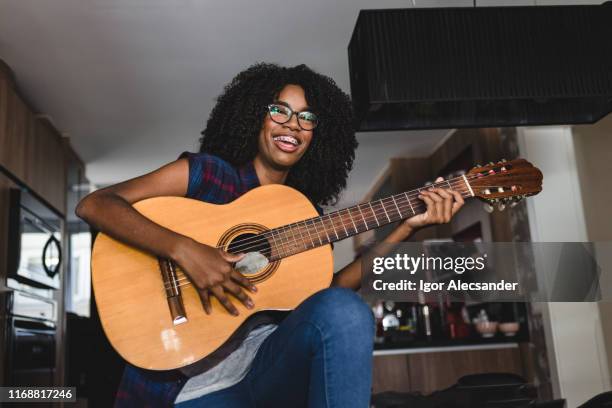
283 114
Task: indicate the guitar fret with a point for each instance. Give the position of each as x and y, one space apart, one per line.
333 226
293 244
325 231
289 242
280 247
284 240
398 210
385 210
308 232
314 224
374 214
410 202
342 222
274 241
362 217
352 220
302 241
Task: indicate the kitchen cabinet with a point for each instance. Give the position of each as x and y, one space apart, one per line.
16 126
34 155
45 165
31 149
436 369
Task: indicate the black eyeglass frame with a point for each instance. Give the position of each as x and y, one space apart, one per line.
292 112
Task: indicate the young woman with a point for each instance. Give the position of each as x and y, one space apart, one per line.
271 125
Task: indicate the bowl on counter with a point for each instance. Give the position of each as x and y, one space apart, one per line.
487 329
509 329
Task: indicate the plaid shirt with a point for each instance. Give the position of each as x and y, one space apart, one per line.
213 180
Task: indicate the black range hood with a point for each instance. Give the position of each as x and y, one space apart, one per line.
481 67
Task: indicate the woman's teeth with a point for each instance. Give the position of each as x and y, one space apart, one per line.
287 139
287 144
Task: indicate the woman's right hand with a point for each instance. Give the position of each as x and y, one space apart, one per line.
211 272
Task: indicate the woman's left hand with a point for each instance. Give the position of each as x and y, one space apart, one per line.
442 205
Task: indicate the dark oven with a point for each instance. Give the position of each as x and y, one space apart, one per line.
35 251
31 341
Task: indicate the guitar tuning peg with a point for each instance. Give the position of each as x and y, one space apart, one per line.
478 165
487 191
491 164
514 203
501 206
503 160
488 207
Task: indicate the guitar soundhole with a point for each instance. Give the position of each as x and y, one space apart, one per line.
250 239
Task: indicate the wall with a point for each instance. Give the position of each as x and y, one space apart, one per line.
593 145
573 330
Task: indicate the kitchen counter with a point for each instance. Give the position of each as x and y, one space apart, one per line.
447 348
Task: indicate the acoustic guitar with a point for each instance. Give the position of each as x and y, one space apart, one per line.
152 314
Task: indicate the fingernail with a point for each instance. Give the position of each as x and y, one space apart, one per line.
249 304
235 313
254 289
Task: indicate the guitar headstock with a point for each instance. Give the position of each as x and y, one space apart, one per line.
505 182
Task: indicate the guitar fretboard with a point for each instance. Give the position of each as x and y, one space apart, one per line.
337 225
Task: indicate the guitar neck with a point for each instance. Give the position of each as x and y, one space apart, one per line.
338 225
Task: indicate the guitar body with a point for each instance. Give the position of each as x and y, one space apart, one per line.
129 289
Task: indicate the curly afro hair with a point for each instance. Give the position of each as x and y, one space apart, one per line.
234 124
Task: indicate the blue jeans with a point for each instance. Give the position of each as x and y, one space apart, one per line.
320 356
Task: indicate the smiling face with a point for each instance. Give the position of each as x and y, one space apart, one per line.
282 145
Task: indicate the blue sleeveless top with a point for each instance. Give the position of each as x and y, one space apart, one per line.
214 180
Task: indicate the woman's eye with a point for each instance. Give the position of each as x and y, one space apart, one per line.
278 110
310 117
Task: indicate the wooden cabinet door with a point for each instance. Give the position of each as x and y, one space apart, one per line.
15 124
429 372
46 172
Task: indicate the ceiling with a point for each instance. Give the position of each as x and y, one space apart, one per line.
131 82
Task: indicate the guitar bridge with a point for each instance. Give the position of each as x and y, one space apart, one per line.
173 291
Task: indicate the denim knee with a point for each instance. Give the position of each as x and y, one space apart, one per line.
342 310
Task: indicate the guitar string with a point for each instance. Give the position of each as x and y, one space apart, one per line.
406 197
183 280
291 243
409 196
285 246
294 242
405 200
313 223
